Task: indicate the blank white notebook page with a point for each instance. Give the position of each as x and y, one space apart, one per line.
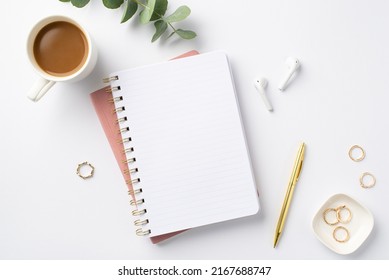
189 144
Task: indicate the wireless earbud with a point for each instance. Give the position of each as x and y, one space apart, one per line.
292 65
260 84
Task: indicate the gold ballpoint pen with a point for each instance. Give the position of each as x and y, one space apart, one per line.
289 192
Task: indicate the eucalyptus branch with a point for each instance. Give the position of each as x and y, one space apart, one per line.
139 3
151 11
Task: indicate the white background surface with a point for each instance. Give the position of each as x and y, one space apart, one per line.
338 99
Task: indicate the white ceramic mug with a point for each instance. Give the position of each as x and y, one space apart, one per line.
47 80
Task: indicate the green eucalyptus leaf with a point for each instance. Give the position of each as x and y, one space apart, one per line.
160 28
130 9
171 34
113 4
146 14
186 34
159 9
181 13
153 10
79 3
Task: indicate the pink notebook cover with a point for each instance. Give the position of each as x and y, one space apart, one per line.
108 120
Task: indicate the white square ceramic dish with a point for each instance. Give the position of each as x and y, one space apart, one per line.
359 227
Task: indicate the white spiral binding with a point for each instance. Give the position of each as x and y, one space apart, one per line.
134 192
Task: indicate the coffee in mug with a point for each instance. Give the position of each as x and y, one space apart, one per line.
60 50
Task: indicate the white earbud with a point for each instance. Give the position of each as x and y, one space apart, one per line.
260 84
292 65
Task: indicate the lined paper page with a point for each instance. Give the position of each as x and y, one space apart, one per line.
188 142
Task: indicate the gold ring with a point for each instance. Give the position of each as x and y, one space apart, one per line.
91 171
339 214
328 210
345 239
356 147
362 180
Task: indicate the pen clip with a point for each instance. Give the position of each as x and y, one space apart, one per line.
300 161
299 170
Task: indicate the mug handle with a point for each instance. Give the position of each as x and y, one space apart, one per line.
39 89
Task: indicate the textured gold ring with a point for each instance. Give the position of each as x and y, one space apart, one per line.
359 158
342 229
362 180
339 211
328 210
87 175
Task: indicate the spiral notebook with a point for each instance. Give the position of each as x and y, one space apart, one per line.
104 108
184 143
